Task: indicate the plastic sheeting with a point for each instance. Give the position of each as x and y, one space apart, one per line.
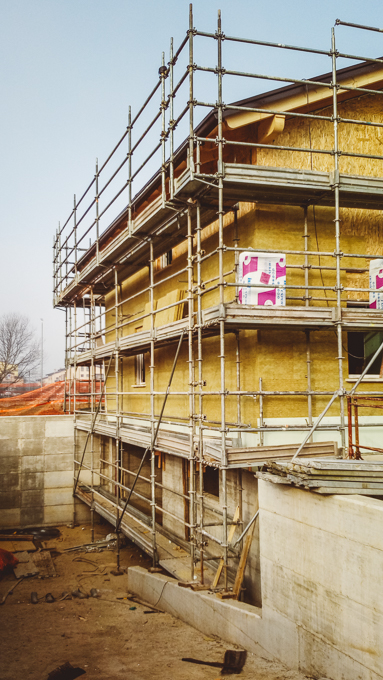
267 271
376 282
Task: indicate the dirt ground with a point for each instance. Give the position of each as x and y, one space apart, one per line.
111 637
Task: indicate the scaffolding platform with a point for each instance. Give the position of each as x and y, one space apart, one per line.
172 556
239 317
286 186
168 225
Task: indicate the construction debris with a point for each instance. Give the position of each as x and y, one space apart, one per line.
327 476
7 560
65 672
78 593
233 662
10 591
32 564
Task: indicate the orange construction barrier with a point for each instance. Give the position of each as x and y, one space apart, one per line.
48 399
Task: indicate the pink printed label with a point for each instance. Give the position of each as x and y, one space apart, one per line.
250 264
280 271
267 297
379 280
262 277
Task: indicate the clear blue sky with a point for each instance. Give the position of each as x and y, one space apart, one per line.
69 70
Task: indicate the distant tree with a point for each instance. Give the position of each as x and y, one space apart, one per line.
19 350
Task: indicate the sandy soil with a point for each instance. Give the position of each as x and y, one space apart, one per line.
112 637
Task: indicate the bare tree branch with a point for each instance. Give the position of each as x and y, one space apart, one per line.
19 351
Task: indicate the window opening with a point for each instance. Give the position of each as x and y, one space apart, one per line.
361 347
139 360
211 481
164 260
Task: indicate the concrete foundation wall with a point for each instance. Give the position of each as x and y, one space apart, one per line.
321 562
321 566
36 471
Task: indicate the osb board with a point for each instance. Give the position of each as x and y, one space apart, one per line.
163 362
318 134
166 316
147 321
298 132
276 227
281 363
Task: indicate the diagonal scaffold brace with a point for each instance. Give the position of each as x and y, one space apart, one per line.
93 424
153 442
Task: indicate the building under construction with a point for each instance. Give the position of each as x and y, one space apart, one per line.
222 271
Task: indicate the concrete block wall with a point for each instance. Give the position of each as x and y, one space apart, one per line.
36 472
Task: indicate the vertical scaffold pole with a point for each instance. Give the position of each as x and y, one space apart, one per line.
238 367
69 357
66 262
117 407
222 299
152 406
91 386
163 74
238 353
66 360
75 360
55 259
130 227
306 238
307 332
73 337
56 252
60 278
200 387
171 121
75 233
116 364
308 365
118 494
261 421
192 517
338 253
97 216
191 94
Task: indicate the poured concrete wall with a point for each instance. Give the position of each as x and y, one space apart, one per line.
322 598
36 471
321 567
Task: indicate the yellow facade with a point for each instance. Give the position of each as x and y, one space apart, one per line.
278 357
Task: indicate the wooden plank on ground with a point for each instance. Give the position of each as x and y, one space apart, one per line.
16 537
18 546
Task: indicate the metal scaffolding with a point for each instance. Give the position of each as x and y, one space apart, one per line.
188 178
